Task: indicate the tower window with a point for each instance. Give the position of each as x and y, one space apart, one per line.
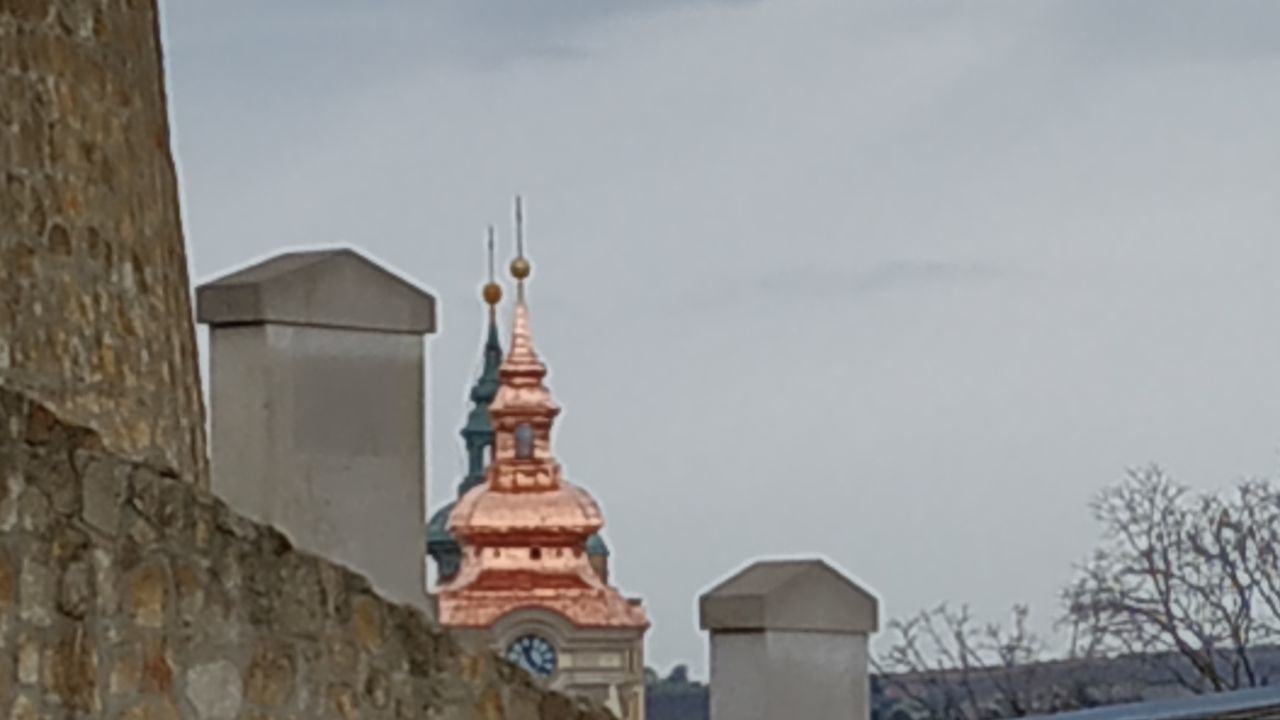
524 442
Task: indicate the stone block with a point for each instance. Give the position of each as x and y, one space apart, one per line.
34 512
51 471
366 622
337 598
6 584
201 606
342 657
558 707
35 592
489 706
234 525
61 484
70 670
24 709
103 491
475 669
146 598
270 681
344 701
69 543
175 513
298 604
41 424
156 667
29 652
125 674
11 486
203 523
426 651
377 689
138 529
75 589
104 574
523 703
215 690
153 709
146 486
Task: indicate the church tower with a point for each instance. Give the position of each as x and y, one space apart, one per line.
525 583
477 436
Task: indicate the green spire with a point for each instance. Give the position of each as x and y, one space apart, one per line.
478 432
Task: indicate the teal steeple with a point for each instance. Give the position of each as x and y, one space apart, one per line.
477 434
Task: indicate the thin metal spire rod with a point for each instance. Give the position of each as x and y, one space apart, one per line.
520 266
491 272
519 227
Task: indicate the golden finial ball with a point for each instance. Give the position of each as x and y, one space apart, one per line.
520 268
493 293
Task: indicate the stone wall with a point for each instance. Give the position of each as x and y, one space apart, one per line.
95 316
127 593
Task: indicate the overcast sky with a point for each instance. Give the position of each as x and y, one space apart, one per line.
899 283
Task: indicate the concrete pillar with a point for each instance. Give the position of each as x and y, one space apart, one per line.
789 640
317 406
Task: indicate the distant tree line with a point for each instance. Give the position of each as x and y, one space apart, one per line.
1184 588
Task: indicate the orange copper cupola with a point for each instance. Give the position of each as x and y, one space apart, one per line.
524 531
524 501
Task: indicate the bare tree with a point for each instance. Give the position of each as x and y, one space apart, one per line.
1185 587
946 666
1189 579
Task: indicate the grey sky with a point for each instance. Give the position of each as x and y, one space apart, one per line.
901 283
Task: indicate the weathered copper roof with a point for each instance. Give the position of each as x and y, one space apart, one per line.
524 531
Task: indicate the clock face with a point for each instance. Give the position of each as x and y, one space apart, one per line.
534 654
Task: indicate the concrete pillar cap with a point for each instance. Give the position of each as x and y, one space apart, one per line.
337 288
789 595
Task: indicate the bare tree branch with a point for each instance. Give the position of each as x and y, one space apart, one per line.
1196 575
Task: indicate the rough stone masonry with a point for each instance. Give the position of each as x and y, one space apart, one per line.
95 313
127 593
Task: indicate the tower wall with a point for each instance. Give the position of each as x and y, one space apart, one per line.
95 315
604 665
